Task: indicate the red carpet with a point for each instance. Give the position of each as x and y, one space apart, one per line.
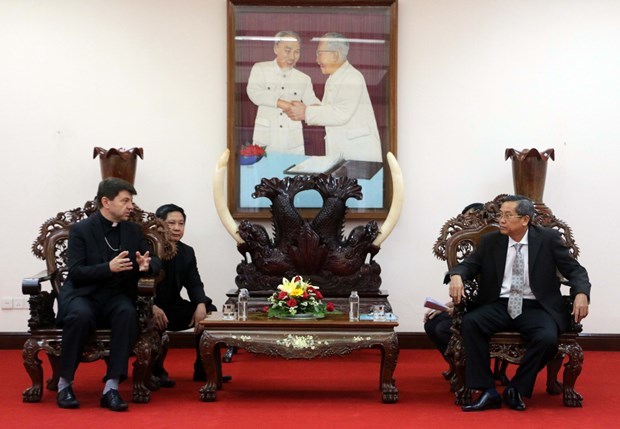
335 392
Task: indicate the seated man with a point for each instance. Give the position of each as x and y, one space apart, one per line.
437 325
172 312
106 256
519 290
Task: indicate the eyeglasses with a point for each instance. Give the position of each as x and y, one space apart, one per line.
507 216
321 51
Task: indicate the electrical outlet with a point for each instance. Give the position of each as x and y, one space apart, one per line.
7 302
19 303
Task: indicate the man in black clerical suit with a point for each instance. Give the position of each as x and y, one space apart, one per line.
106 256
519 290
172 312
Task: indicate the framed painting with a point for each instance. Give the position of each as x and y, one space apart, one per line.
311 89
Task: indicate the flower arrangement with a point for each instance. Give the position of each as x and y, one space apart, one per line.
251 153
297 297
253 150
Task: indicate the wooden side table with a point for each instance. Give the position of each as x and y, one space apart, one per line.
297 339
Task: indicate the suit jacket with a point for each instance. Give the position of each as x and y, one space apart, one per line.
181 271
348 117
268 83
547 254
89 268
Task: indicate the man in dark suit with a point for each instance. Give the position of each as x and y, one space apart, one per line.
172 312
519 291
106 256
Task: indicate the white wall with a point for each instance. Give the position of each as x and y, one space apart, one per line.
475 78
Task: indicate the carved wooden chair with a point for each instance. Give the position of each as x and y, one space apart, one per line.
459 238
51 246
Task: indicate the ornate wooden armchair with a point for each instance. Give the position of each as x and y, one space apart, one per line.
459 237
51 246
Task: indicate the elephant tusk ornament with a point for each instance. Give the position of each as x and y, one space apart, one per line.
219 198
398 191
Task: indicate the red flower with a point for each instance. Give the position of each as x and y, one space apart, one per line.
282 295
291 303
305 295
252 150
296 279
310 289
319 295
265 309
330 306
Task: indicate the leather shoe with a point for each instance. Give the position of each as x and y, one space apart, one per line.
490 399
113 401
166 382
66 398
201 376
162 378
513 399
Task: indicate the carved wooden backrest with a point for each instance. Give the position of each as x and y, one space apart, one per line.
460 236
51 244
475 220
464 242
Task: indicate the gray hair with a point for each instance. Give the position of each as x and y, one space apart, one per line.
336 42
524 206
286 36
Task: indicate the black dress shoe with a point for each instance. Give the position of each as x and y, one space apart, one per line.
113 401
513 399
66 398
201 376
166 382
490 399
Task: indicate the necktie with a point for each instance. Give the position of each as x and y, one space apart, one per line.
515 300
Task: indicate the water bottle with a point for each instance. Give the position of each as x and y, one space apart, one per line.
354 307
242 304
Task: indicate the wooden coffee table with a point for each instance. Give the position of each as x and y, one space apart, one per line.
297 339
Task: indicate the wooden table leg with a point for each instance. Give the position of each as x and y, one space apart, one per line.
210 355
389 356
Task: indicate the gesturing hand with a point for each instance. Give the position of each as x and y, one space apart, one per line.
121 263
144 261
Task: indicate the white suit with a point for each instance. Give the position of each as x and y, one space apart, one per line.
348 116
272 128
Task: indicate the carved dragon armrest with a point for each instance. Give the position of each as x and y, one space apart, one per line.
40 303
574 327
144 305
146 286
32 285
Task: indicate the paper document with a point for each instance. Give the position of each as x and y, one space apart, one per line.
434 304
316 165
